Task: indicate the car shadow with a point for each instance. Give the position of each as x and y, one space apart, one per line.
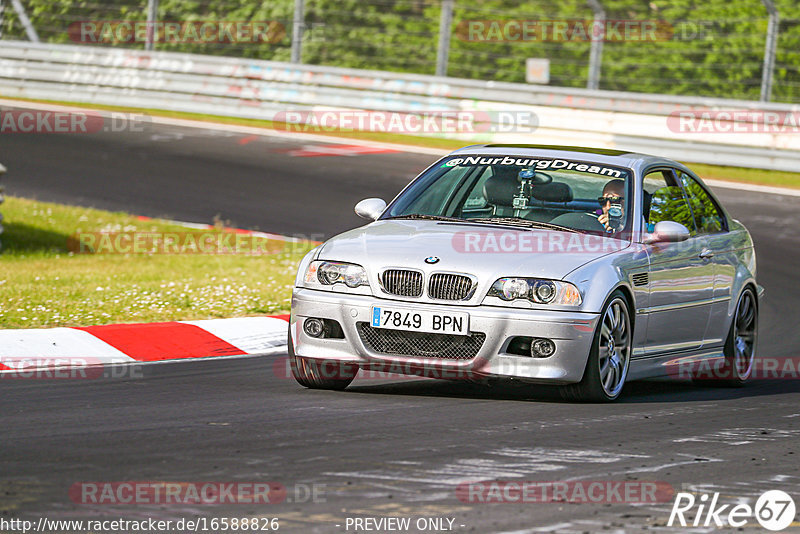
637 392
20 237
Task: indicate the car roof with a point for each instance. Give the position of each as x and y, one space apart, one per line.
622 158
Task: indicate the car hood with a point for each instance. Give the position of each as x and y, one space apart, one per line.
486 251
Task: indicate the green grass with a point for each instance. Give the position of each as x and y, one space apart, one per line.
718 172
750 176
46 282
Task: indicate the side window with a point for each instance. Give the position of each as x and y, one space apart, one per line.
707 216
664 201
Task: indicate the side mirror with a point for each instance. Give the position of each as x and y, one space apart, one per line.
370 208
667 232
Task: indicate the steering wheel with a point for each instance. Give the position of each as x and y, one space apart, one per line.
580 221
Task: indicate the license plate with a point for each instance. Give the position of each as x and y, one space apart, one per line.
420 320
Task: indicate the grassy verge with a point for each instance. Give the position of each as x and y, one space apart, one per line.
47 281
750 176
734 174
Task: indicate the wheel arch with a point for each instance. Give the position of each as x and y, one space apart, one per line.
629 298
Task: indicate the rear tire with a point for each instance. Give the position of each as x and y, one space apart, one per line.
740 345
609 358
320 374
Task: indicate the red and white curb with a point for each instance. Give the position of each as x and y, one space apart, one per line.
27 350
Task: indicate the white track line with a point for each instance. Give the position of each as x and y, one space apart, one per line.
235 128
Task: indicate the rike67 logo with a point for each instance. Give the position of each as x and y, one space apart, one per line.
774 510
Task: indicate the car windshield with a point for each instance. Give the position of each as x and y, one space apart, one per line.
525 191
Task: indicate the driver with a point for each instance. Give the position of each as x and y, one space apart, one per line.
613 197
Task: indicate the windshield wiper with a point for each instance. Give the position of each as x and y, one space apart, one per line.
508 221
420 216
525 223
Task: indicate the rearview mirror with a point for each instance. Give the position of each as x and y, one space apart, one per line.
667 232
370 208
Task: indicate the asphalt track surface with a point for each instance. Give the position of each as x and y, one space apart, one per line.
383 447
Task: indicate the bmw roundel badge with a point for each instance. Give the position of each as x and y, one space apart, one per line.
432 259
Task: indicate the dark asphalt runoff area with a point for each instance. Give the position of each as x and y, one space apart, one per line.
382 448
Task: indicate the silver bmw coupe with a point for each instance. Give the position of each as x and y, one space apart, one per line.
577 267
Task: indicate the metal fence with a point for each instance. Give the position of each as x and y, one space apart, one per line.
265 90
744 49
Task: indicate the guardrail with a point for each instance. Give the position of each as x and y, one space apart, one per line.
261 89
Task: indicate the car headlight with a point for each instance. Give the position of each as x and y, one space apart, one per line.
536 290
329 273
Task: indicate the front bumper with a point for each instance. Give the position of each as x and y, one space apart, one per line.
572 333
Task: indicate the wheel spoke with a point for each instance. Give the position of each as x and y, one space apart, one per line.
748 319
608 378
745 312
608 327
744 335
605 333
615 330
621 327
745 306
604 369
622 334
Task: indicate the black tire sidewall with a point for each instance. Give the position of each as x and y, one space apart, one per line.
730 351
590 388
316 379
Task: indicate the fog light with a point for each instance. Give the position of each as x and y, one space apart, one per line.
314 327
542 348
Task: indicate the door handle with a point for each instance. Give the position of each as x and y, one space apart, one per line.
706 254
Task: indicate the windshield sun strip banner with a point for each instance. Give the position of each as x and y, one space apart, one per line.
540 164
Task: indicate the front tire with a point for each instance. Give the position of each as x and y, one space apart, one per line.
320 374
610 355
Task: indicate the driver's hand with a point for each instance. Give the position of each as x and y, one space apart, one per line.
603 219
